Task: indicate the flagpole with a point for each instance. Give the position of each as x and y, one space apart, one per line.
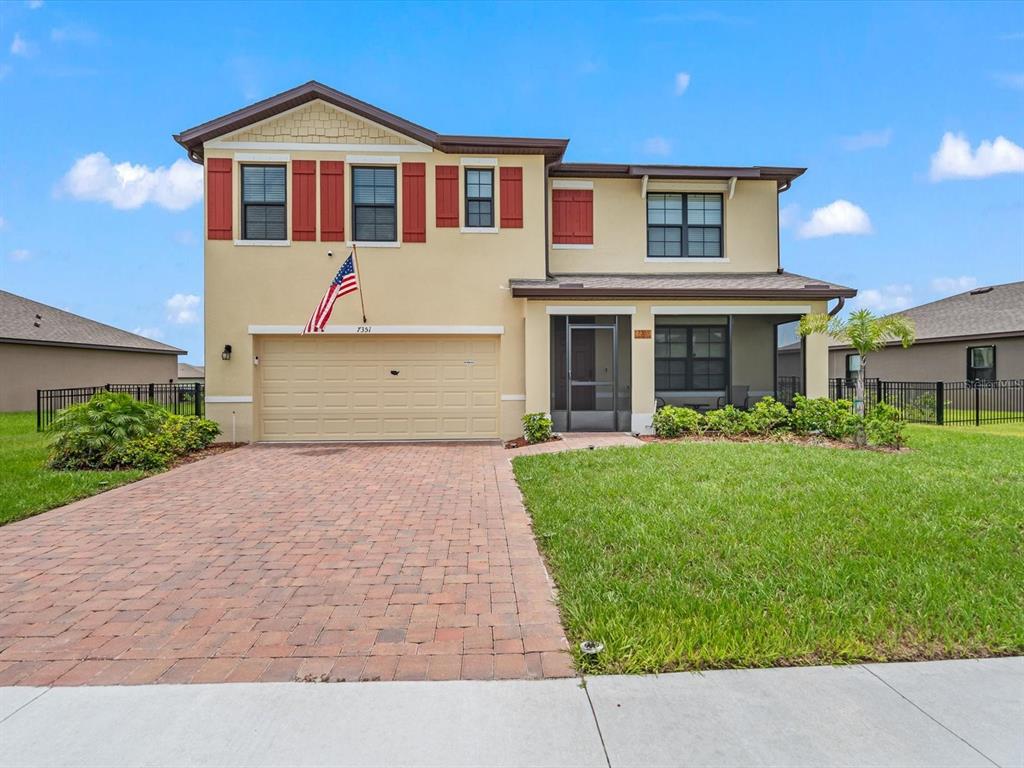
359 277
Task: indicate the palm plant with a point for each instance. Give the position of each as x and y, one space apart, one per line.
87 435
865 332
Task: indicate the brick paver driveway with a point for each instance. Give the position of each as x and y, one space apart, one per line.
285 562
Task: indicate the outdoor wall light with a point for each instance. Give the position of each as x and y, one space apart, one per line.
226 354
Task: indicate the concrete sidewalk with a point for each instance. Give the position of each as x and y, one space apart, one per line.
948 713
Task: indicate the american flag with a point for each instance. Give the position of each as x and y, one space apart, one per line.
343 282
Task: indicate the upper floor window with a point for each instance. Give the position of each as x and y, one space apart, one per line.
263 202
684 226
479 197
374 206
981 363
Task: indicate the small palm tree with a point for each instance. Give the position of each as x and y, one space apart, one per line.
863 331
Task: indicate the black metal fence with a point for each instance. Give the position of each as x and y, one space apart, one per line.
183 399
941 402
786 387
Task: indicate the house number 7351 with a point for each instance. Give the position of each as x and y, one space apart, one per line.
364 329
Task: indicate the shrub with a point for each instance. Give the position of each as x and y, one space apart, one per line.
89 435
728 420
833 418
536 427
672 421
884 425
177 436
768 416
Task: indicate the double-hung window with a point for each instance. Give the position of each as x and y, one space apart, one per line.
263 202
684 226
690 357
981 363
479 197
374 206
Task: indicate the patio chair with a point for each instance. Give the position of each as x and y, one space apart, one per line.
739 396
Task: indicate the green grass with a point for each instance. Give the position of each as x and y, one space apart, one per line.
714 555
27 487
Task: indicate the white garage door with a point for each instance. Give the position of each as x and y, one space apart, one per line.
378 387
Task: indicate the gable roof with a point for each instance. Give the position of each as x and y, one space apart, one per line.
29 322
193 138
982 312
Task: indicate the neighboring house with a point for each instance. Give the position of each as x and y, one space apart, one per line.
42 347
975 335
190 374
497 279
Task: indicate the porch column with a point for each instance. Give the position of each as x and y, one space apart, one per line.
642 363
816 364
538 358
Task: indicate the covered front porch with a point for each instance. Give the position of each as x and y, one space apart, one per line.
608 365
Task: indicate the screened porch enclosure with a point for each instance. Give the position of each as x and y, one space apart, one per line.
590 373
708 361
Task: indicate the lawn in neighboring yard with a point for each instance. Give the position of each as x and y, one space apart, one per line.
710 555
27 487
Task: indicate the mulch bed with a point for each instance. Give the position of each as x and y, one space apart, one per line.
786 438
520 442
204 453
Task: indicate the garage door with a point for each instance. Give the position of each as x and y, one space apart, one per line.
378 387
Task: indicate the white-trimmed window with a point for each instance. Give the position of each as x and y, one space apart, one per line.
479 197
264 202
374 204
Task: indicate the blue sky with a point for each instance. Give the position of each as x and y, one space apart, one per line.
910 119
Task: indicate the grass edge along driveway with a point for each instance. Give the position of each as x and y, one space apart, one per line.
27 487
717 555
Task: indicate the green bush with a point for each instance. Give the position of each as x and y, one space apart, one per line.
728 421
832 418
672 421
884 426
177 436
536 427
768 416
89 435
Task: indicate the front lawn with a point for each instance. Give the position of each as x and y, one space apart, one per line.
27 487
709 555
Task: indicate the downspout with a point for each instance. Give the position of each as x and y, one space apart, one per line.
547 266
837 308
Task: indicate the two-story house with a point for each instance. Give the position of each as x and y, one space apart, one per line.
497 280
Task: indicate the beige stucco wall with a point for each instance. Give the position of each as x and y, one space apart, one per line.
24 368
934 361
455 278
750 230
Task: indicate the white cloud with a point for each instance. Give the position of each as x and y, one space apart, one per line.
658 145
126 186
34 4
183 308
956 160
891 298
73 33
789 215
953 284
682 82
1013 80
837 218
21 47
866 140
20 254
149 333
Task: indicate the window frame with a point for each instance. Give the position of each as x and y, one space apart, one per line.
685 226
970 368
467 199
690 358
356 206
851 375
245 205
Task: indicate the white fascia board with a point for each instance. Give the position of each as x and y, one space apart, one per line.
727 309
385 330
571 184
374 159
589 309
262 157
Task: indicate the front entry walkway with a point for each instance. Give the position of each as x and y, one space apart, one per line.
282 563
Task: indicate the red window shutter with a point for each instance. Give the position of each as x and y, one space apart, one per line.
414 202
511 198
332 200
303 199
218 199
446 180
573 216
